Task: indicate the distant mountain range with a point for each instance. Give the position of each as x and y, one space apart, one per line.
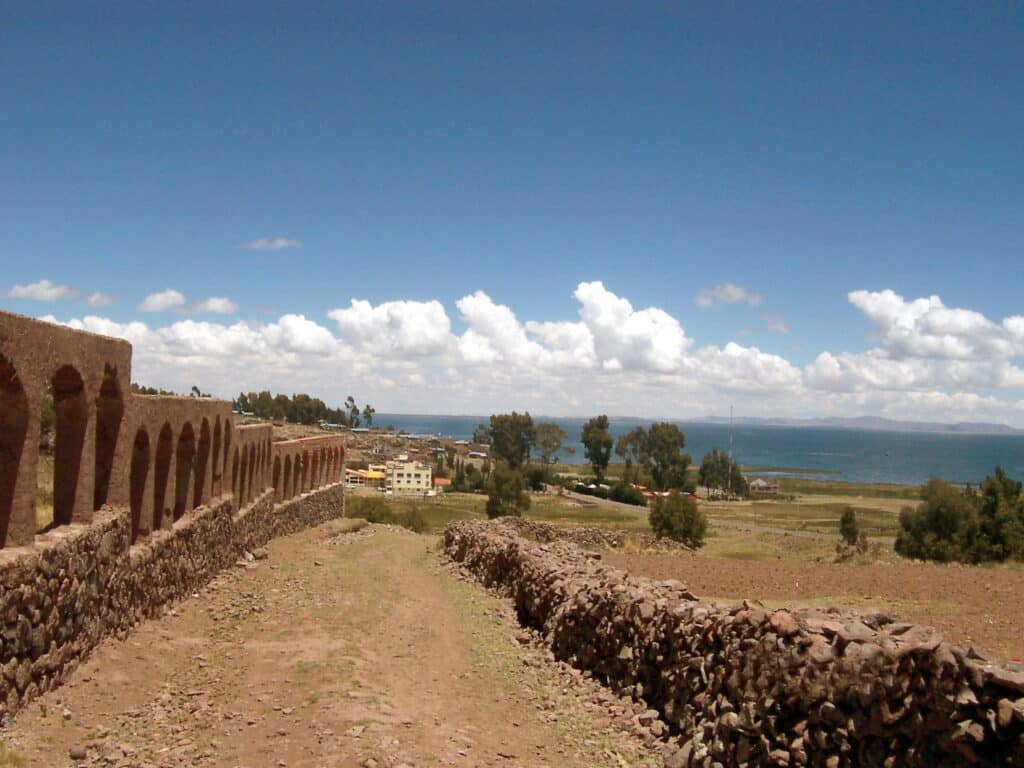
869 422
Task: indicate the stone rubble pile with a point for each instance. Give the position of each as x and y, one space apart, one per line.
590 536
749 686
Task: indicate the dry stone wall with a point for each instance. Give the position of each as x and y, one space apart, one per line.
748 686
88 582
152 495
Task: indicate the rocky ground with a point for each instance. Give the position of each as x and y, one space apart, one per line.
972 606
332 649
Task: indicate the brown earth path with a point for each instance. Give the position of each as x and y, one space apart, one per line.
339 650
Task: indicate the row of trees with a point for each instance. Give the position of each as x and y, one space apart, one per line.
302 409
970 525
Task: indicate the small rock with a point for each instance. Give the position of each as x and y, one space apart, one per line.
77 752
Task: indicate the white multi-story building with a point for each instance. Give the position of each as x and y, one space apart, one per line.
408 477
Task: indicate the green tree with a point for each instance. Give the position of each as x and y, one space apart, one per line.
718 470
597 444
511 437
353 411
664 450
506 492
631 448
848 529
549 438
678 517
943 527
482 434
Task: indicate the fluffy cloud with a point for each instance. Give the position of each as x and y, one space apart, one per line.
44 290
727 293
162 301
647 339
273 244
927 328
175 300
931 362
925 346
413 328
215 305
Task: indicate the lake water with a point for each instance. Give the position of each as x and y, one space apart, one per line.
850 455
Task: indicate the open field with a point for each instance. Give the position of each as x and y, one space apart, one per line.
970 605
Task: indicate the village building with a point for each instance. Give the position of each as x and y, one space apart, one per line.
407 477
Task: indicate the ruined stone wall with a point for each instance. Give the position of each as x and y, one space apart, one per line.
85 582
152 495
748 686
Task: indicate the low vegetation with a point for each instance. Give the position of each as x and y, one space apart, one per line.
678 517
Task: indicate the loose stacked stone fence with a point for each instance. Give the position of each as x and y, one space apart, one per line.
743 685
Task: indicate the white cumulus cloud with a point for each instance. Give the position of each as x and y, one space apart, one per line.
44 290
163 301
626 338
414 328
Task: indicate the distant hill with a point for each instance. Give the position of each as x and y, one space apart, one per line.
872 423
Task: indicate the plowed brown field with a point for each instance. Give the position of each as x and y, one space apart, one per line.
975 606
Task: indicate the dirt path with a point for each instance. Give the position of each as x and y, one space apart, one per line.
338 650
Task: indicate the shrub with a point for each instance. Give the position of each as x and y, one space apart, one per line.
627 494
848 526
375 510
506 494
678 517
536 478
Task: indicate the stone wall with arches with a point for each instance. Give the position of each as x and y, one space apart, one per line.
152 495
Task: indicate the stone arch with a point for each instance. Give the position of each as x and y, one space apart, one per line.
13 429
323 467
162 474
277 478
109 413
200 494
297 477
216 464
138 473
286 485
72 422
314 470
184 466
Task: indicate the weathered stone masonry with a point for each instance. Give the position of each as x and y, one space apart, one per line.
152 496
747 686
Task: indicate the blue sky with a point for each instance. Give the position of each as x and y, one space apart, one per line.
421 154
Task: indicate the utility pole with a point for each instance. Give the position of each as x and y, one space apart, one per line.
728 482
